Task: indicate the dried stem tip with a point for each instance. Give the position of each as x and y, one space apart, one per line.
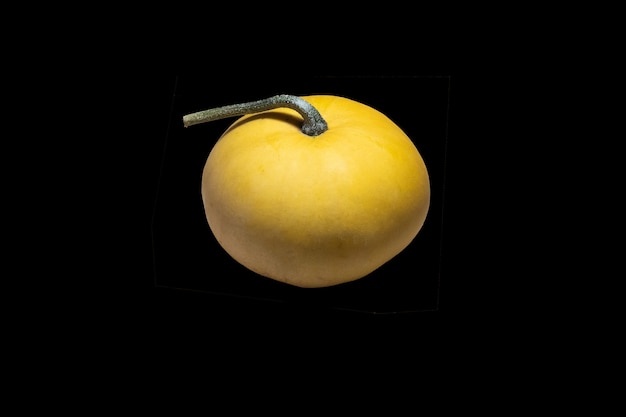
312 125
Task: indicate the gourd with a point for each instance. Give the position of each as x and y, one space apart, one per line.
312 191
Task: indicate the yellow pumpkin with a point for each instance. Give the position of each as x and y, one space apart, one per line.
315 211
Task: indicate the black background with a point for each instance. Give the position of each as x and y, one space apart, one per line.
118 187
94 135
96 239
187 256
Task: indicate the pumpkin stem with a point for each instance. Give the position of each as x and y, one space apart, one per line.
312 125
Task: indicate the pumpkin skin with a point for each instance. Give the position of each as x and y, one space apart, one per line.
315 211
